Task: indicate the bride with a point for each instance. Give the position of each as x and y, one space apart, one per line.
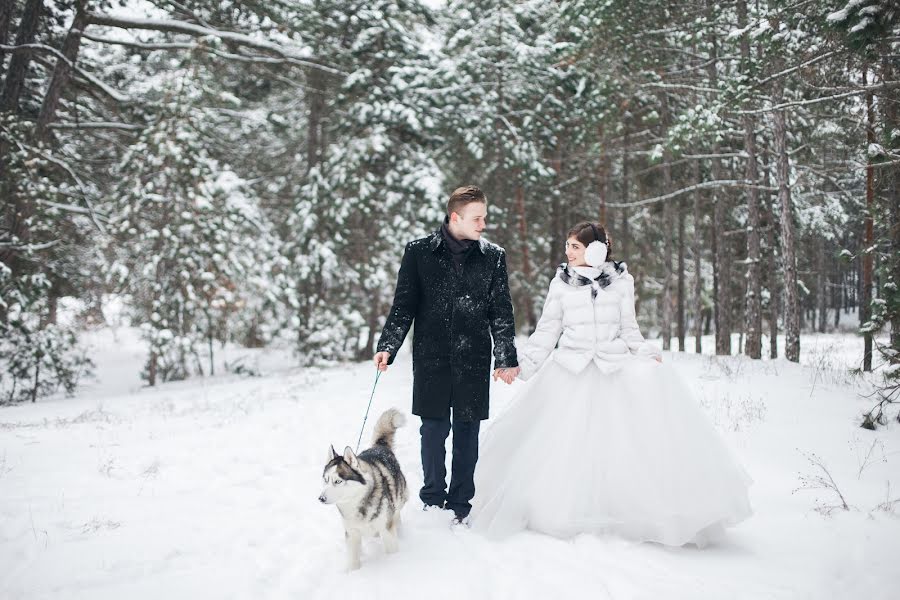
603 438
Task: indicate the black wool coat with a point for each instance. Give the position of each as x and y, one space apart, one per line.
456 316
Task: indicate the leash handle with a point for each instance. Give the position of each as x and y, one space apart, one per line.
366 418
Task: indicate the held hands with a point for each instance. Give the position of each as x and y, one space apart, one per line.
381 360
507 375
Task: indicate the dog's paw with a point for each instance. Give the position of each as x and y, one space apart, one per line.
353 566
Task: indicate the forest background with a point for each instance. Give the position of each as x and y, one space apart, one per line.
248 172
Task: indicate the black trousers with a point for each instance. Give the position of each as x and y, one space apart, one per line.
462 472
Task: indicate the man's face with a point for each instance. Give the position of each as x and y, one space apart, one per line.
470 221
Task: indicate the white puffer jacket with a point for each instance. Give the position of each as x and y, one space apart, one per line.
602 329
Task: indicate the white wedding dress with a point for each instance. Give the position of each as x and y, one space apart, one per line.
619 448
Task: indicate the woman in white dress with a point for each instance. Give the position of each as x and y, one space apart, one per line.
603 438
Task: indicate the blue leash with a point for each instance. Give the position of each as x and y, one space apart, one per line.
367 412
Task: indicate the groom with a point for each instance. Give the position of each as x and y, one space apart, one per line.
454 286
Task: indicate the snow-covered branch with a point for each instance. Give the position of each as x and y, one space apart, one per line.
174 26
29 247
680 86
111 92
718 184
95 218
140 45
74 208
888 85
190 46
98 125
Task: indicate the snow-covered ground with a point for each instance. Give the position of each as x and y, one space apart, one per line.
208 489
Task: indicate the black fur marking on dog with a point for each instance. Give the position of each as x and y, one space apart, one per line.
344 471
390 484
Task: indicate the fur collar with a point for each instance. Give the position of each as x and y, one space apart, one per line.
608 272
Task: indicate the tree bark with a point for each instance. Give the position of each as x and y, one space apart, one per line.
771 258
372 326
783 171
62 73
152 366
6 10
603 176
721 258
626 186
316 81
698 282
753 314
668 246
891 179
18 210
822 287
18 64
526 260
837 295
679 311
556 240
865 308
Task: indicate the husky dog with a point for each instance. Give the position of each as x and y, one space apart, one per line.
369 489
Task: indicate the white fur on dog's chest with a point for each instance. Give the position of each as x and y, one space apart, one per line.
365 528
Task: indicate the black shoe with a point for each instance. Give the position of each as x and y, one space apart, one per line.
428 507
460 520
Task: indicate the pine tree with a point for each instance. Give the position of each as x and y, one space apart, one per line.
184 242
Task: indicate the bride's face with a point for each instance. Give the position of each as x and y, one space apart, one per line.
575 252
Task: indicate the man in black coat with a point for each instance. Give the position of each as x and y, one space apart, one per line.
454 286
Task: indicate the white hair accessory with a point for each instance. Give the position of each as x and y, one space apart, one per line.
595 253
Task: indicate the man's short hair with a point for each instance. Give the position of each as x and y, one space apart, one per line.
464 196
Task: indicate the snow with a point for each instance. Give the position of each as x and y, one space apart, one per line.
839 16
208 488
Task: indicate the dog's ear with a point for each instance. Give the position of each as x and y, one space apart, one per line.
331 454
350 458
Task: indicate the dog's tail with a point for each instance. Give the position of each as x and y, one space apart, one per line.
387 424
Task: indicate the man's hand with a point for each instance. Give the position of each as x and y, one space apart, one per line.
381 360
658 359
508 375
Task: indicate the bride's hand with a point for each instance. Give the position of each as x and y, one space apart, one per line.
508 375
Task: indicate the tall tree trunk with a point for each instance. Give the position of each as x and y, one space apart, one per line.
603 176
721 258
783 173
679 312
18 63
698 281
822 287
771 258
837 292
316 82
152 368
526 260
774 311
668 246
372 325
555 240
753 314
626 187
865 309
891 179
18 210
62 73
6 10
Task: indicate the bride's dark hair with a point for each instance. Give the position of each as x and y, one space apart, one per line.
584 232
